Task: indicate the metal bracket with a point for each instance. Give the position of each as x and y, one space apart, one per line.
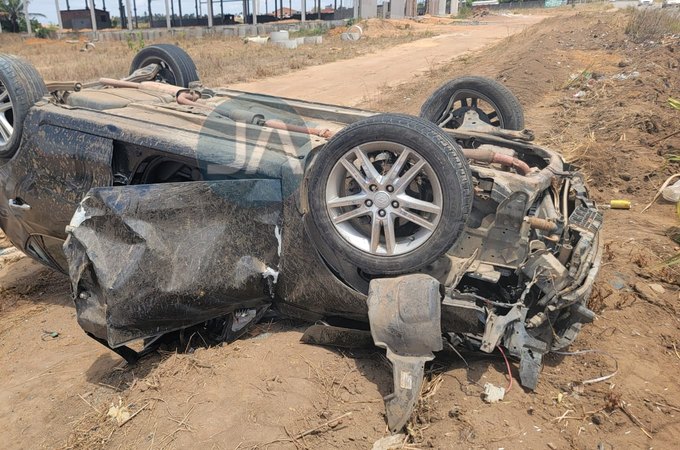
146 73
495 328
472 122
528 349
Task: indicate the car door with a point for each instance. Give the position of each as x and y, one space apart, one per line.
44 183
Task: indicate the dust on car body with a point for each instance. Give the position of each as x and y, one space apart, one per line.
171 205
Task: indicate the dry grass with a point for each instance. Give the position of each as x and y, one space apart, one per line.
648 24
220 60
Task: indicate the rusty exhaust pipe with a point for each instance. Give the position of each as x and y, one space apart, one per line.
489 156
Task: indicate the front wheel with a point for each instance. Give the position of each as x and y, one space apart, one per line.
390 193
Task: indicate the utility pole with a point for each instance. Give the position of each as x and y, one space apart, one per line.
168 25
93 17
61 25
150 15
210 14
27 18
129 14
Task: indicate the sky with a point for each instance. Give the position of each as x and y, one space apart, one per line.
48 7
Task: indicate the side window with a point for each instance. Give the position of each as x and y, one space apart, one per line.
48 250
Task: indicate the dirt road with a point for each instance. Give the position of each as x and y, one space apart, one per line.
355 81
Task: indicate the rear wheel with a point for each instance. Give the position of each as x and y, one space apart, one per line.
20 88
493 102
390 193
176 66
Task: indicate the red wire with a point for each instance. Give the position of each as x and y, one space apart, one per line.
507 364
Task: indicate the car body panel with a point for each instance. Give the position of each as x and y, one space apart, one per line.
49 176
149 259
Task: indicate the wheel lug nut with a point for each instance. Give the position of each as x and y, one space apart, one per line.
373 187
390 188
381 213
369 203
395 204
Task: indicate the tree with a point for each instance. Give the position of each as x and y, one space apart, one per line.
12 12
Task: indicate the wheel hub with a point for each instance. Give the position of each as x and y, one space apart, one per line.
6 115
382 199
372 215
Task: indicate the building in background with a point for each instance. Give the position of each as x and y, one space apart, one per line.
78 19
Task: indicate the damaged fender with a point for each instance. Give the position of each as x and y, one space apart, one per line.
148 259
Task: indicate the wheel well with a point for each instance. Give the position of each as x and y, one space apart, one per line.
134 164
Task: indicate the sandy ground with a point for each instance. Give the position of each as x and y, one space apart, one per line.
268 389
350 83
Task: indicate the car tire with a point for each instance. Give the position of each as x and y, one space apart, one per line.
499 106
438 191
177 67
21 86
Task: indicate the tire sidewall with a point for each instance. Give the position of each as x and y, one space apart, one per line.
446 160
508 106
154 56
176 59
25 87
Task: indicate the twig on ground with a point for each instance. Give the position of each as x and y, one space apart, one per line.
182 426
676 350
583 352
89 404
658 193
307 432
585 415
336 392
563 416
312 430
624 407
665 137
135 413
665 405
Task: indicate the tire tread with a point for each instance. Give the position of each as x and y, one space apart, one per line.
25 87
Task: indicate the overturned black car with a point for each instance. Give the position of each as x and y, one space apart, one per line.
171 205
